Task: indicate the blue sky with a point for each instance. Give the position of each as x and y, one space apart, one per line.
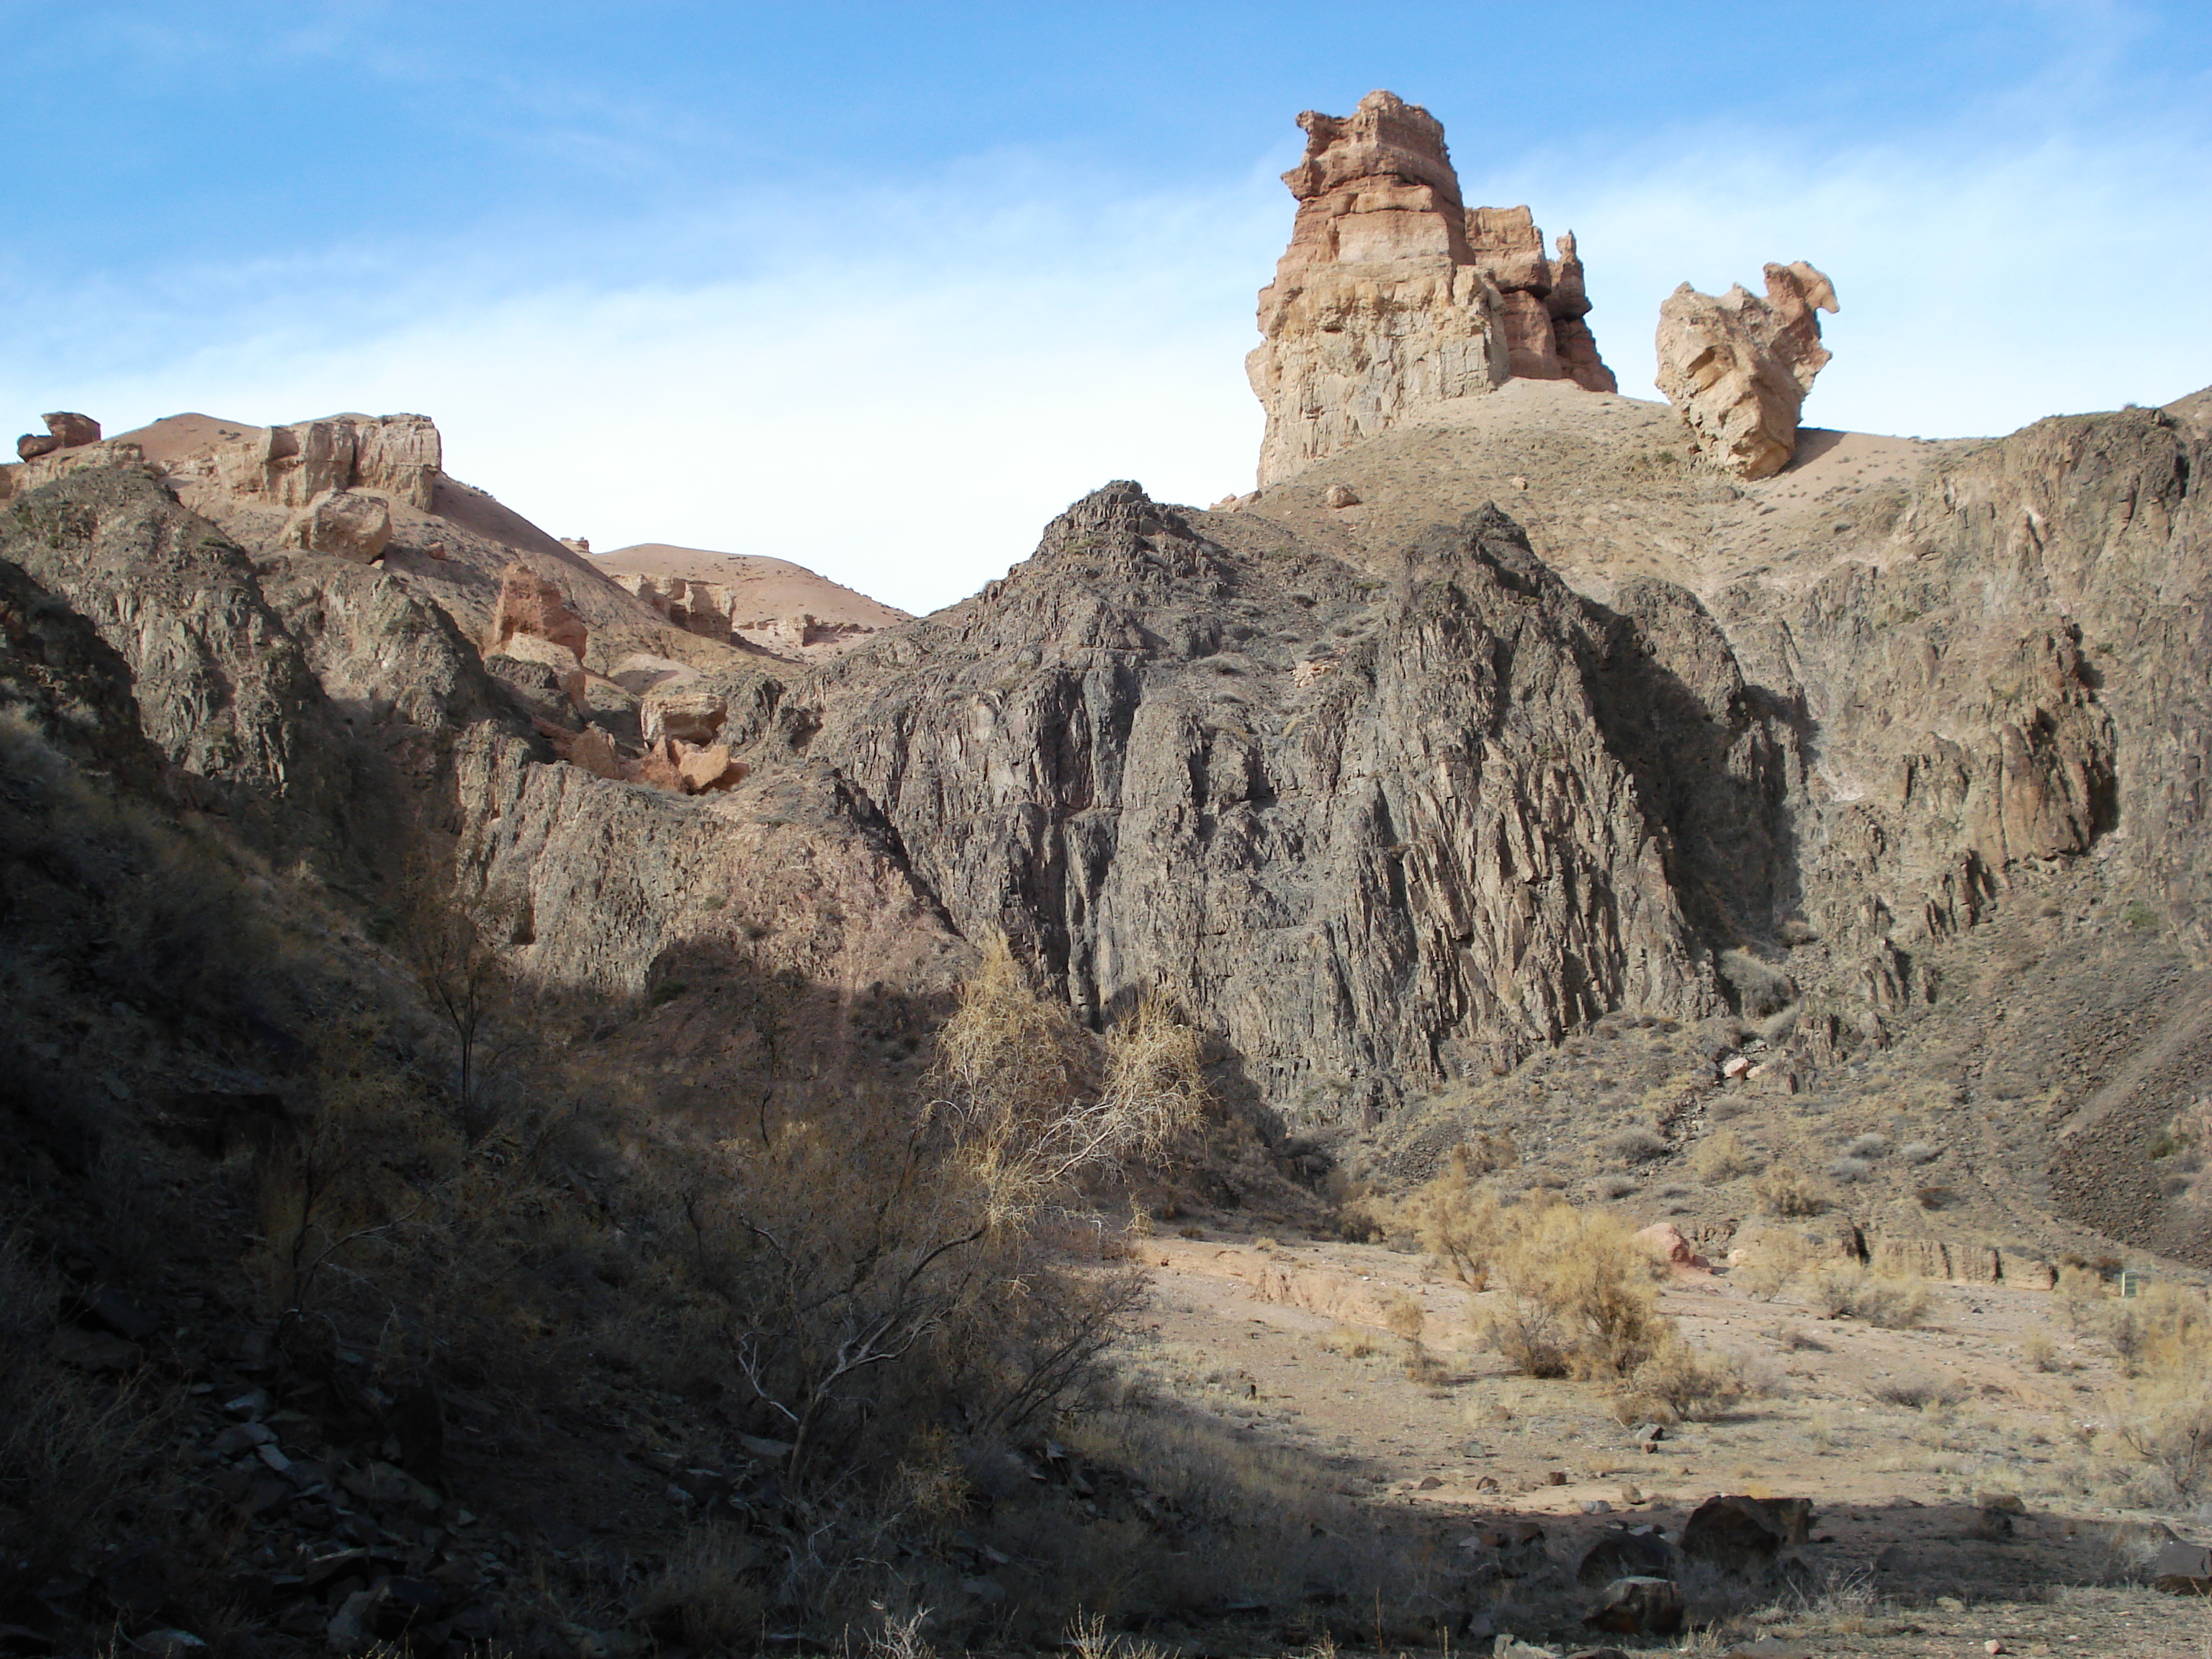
879 288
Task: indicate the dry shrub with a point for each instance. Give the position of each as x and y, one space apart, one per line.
2080 1292
1455 1218
1896 1304
1350 1342
1724 1157
70 1453
1774 1257
710 1597
1681 1383
1786 1192
880 1264
2039 1353
1638 1144
2165 1416
1573 1294
1918 1393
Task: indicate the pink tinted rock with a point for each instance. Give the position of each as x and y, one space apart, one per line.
1664 1240
73 430
530 604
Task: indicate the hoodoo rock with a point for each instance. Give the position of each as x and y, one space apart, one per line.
530 604
65 430
1738 367
1393 296
73 430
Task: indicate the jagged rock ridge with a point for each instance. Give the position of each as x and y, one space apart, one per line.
1392 295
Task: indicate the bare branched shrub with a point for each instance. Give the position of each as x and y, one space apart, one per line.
457 941
1572 1293
1850 1170
875 1255
1724 1157
1774 1257
1785 1191
1868 1145
1681 1383
1919 1152
1894 1303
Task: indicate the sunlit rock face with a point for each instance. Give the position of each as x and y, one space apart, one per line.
1394 294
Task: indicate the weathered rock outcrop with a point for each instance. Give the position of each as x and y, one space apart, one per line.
1392 295
530 604
748 599
1738 367
290 466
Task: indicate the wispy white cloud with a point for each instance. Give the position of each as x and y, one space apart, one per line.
899 387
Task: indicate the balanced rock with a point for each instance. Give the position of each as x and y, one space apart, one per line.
345 522
1737 368
73 430
529 604
32 445
1393 295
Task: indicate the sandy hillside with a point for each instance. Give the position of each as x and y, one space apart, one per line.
1606 486
767 602
454 553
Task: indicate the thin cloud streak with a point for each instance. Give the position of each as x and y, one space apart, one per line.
899 388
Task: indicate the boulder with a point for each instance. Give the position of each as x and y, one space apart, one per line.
686 716
2182 1568
658 767
73 430
1637 1607
1664 1240
1642 1553
1737 368
594 750
342 522
1737 1533
1338 495
529 604
32 445
702 770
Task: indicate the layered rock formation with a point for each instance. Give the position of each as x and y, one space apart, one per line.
1392 295
1738 367
400 455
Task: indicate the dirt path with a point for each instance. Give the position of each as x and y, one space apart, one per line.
1288 1344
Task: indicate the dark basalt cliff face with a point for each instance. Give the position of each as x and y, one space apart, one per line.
1384 827
1388 818
1376 830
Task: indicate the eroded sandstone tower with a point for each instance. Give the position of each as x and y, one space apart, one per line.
1392 295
